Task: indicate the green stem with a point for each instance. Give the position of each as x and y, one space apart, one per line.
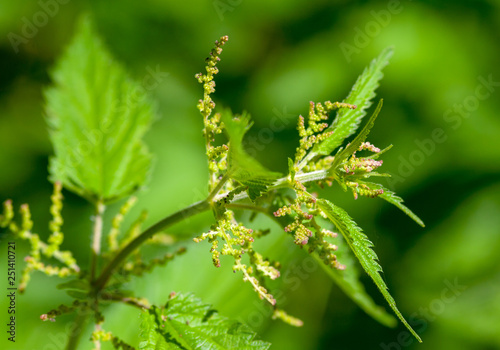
77 330
182 214
284 182
306 160
188 212
312 176
217 188
96 238
248 207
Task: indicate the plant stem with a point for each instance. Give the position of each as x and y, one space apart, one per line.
217 188
76 330
312 176
247 207
182 214
284 182
96 238
306 160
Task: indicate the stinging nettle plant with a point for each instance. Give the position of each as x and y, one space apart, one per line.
97 121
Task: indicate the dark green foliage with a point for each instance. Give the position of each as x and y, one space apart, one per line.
187 323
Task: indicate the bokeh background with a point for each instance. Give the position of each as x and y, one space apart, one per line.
441 100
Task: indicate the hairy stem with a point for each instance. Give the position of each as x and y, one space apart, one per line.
182 214
306 159
96 238
284 182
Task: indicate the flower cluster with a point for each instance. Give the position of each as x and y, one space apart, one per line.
356 169
116 223
136 265
305 228
316 125
302 209
212 125
100 335
38 247
320 244
237 240
80 287
301 225
139 267
63 309
233 172
227 236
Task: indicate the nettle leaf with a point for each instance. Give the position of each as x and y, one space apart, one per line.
97 117
348 281
151 336
187 323
76 284
392 198
362 248
358 140
347 120
241 166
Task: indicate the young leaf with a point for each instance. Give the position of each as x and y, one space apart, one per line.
241 167
362 248
348 281
186 323
347 120
358 140
392 198
97 117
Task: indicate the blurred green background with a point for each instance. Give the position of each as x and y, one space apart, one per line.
441 101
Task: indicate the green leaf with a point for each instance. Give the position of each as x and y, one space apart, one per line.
151 337
347 120
77 294
358 140
348 281
392 198
186 323
241 166
362 248
97 117
77 284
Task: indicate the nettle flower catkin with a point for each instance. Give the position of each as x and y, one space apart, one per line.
227 237
359 168
8 214
300 226
305 229
325 249
237 240
303 209
63 309
316 125
38 247
212 124
116 224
